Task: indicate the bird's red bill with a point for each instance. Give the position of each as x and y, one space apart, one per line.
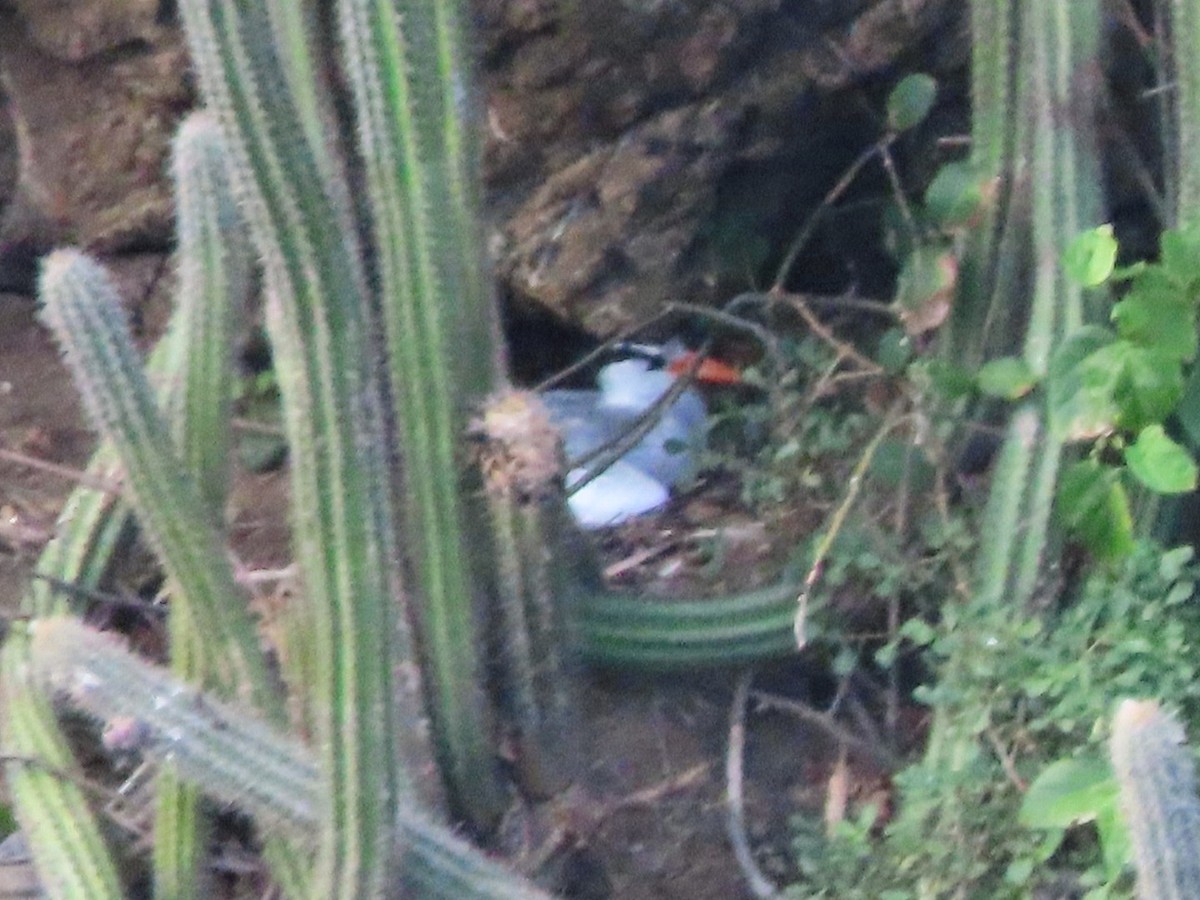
711 371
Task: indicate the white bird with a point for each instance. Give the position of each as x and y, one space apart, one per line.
641 480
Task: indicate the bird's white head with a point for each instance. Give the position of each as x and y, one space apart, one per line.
632 384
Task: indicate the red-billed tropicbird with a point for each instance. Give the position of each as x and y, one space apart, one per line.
641 480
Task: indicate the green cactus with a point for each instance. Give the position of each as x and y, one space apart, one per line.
240 760
91 528
1157 777
520 456
619 630
403 71
1050 168
317 316
63 834
82 308
215 267
356 675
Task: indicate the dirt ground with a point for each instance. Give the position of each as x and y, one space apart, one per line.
648 820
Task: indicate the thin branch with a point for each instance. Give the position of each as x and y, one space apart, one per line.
889 166
154 610
875 752
844 350
826 542
71 474
589 358
240 424
758 883
806 233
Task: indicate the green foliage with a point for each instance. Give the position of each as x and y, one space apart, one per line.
1117 387
925 290
1160 463
1075 791
779 442
1094 506
1008 378
1091 257
1039 692
910 101
957 198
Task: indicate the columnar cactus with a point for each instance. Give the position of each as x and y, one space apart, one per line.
1157 776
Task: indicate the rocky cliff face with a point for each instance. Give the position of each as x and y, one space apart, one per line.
637 151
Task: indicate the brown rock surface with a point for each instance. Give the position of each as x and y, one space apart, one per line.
613 129
94 91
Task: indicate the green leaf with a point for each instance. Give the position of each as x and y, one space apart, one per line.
1188 409
1097 384
1115 844
1160 463
1008 378
958 196
895 351
1148 386
1093 506
1080 398
1179 255
949 380
1158 315
1068 792
910 101
925 288
1089 259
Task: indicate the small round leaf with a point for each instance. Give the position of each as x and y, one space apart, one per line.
910 101
1093 505
1159 463
1090 258
1008 378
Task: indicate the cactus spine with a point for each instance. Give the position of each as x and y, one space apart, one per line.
85 314
238 759
214 266
1157 778
317 315
241 760
434 305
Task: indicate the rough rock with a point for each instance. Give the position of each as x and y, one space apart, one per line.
630 144
94 91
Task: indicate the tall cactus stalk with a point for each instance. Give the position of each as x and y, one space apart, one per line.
1178 68
91 527
995 99
405 70
63 834
1058 164
82 308
317 316
214 266
1054 165
1183 69
54 814
1157 778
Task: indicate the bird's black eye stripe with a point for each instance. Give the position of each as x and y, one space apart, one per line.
654 354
